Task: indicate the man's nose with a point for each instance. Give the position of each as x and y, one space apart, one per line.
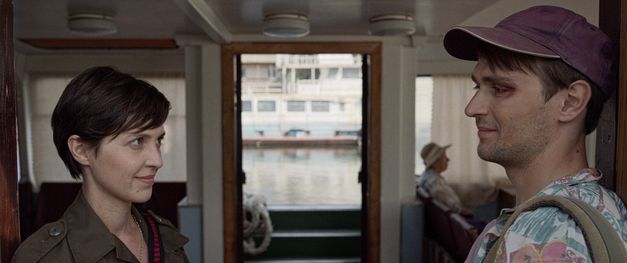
477 106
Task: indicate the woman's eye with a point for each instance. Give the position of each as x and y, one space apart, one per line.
137 141
160 141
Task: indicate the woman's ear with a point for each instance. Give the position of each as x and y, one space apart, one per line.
575 102
79 149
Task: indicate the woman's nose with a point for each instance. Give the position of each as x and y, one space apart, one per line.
154 158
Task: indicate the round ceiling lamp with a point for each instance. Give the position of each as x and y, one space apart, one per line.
286 25
91 24
392 25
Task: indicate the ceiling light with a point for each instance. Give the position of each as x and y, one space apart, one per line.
391 25
91 24
286 25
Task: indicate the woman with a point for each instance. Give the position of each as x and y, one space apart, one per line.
108 129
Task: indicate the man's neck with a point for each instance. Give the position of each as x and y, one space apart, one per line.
555 162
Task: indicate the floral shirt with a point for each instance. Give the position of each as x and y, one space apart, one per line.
547 234
435 185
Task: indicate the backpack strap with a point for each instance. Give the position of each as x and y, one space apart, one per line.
603 242
155 243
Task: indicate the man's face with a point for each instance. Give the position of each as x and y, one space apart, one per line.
512 117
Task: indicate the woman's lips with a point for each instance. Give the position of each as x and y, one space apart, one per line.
147 179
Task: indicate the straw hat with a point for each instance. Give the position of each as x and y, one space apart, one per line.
432 152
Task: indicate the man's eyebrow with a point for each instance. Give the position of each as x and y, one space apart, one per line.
491 78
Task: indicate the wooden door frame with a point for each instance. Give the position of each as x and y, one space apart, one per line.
620 7
9 212
373 49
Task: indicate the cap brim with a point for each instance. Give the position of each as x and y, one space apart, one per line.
463 42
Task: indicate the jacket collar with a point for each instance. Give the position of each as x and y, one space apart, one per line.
171 237
88 237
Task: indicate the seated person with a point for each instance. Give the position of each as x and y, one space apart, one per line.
432 182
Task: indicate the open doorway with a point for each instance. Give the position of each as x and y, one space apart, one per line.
246 143
300 120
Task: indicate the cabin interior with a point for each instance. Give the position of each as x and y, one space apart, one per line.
194 51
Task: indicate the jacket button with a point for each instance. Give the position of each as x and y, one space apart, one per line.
54 231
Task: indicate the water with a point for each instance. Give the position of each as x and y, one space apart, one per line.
303 176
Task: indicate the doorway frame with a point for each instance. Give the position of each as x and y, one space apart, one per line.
229 142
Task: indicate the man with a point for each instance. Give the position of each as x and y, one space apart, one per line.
541 78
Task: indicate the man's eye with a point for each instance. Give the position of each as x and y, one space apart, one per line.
500 90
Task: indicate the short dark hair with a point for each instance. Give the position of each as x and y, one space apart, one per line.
554 74
100 102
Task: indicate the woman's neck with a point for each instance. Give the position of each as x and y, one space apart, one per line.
115 214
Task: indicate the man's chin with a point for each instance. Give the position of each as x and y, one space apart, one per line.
485 154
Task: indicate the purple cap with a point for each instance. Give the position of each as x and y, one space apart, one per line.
544 31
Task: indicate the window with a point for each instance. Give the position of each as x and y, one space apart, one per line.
303 73
266 106
257 71
247 106
424 93
277 75
332 73
271 71
296 106
351 73
320 106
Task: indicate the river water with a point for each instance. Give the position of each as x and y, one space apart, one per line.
303 176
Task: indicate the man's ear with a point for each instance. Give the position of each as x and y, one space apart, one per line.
79 149
575 100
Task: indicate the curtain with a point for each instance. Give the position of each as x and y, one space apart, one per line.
476 181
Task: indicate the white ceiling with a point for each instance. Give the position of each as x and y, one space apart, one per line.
241 20
167 18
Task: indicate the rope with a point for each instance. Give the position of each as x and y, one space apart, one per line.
256 222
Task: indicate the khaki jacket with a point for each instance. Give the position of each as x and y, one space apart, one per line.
80 236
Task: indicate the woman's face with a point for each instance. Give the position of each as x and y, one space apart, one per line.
124 168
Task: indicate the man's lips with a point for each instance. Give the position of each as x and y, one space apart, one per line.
484 131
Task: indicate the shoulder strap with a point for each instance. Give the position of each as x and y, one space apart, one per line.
155 243
602 240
